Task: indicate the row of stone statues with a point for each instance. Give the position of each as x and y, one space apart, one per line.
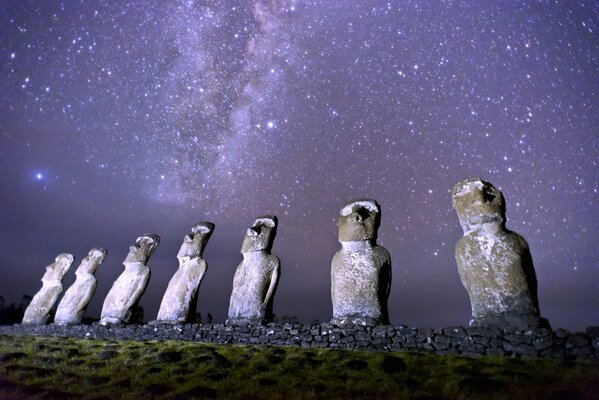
494 264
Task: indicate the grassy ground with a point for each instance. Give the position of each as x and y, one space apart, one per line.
49 367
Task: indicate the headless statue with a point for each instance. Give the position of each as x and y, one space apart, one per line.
256 278
38 311
180 299
75 300
131 284
361 270
494 263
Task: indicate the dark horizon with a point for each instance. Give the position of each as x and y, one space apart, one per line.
123 119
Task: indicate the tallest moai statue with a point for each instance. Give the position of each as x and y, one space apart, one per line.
494 263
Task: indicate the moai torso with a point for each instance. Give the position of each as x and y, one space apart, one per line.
361 270
38 311
75 300
131 284
256 278
494 264
180 296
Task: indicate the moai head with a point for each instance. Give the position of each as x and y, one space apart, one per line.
477 204
193 244
142 249
59 267
359 220
261 235
94 258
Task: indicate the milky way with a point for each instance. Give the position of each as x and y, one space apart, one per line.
118 118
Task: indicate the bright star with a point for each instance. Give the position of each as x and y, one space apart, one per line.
39 176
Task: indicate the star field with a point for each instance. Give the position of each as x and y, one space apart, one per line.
118 118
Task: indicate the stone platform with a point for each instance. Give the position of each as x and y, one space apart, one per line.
542 343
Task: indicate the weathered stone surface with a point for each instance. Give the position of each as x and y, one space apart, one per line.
75 300
494 264
38 311
257 277
361 270
131 284
180 299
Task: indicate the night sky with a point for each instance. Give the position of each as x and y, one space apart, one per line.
119 118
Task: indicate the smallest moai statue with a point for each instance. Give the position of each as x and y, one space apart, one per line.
494 263
361 270
75 300
131 284
256 278
38 311
180 299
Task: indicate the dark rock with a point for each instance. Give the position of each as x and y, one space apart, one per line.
95 380
198 392
155 389
577 340
592 331
168 356
154 370
392 364
5 357
355 365
220 362
107 354
456 331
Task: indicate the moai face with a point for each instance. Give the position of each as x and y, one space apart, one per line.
478 203
261 235
59 267
359 220
142 249
193 244
94 258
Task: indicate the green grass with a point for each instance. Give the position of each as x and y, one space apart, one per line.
51 367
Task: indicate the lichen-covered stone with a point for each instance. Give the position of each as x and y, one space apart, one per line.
361 270
257 277
38 311
131 284
494 263
75 300
180 299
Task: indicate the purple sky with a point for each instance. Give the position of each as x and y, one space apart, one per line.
127 117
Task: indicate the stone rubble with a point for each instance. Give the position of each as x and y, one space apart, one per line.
471 341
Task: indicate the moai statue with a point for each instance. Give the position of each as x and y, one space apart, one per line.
494 263
75 300
361 270
256 278
180 299
131 284
38 311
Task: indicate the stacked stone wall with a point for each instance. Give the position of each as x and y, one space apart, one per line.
542 343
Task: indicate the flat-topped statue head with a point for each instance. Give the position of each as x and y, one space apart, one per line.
143 248
193 244
60 266
94 258
359 220
478 204
261 235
